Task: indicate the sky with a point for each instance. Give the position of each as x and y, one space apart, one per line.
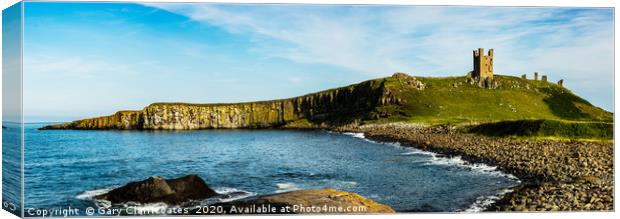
92 59
11 65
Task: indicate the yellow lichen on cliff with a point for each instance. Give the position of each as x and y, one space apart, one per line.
124 120
315 110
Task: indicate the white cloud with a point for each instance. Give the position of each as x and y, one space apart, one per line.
576 45
73 66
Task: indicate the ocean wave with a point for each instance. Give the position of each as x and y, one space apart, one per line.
362 136
476 167
228 194
148 208
355 134
286 187
483 202
90 195
414 151
436 159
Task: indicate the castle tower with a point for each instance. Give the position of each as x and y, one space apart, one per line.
483 65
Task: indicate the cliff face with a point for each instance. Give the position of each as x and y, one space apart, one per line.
400 97
123 120
312 110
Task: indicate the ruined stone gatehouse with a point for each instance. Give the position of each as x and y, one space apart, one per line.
483 65
483 70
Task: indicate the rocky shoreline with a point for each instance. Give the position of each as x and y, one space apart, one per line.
182 192
555 175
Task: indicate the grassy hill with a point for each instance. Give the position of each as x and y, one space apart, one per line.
455 100
399 98
556 129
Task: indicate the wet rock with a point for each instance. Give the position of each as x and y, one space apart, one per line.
156 189
314 201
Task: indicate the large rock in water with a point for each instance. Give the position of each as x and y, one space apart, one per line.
311 201
156 189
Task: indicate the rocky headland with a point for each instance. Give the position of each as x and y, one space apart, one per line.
321 109
400 97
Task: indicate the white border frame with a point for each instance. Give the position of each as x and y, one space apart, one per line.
553 3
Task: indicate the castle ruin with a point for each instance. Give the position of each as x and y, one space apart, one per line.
483 65
483 71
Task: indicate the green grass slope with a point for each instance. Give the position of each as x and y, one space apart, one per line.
546 128
454 100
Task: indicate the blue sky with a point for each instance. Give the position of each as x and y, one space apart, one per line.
11 65
92 59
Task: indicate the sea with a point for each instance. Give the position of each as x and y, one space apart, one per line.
68 168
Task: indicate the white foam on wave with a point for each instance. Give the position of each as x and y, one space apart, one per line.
476 167
286 187
231 194
362 136
414 151
226 190
90 195
483 202
355 134
227 194
349 183
147 209
435 159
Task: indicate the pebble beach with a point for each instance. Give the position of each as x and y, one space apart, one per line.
556 175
